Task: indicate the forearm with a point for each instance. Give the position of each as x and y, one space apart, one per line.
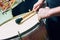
55 11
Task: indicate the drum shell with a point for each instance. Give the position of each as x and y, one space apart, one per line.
37 33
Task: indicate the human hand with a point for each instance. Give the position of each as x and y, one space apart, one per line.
37 5
43 13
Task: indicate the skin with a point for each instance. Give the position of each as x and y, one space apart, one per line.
45 12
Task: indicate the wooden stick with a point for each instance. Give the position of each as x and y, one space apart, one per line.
25 17
28 15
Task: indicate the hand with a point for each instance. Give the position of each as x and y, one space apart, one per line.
37 5
43 13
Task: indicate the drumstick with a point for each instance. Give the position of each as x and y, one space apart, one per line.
25 17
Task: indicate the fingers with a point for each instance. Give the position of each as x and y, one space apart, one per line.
43 13
36 6
40 13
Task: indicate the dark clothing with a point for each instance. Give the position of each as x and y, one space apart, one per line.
53 3
23 7
53 23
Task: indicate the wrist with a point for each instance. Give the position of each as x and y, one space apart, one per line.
50 13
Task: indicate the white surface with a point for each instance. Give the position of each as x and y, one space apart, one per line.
11 29
6 16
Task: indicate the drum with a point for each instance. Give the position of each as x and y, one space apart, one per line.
11 29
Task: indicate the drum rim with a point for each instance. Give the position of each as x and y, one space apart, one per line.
24 32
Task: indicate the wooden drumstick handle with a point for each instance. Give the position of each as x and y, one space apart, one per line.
25 17
27 14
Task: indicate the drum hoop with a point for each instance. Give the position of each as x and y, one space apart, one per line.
24 32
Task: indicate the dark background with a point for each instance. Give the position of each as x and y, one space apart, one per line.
23 7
